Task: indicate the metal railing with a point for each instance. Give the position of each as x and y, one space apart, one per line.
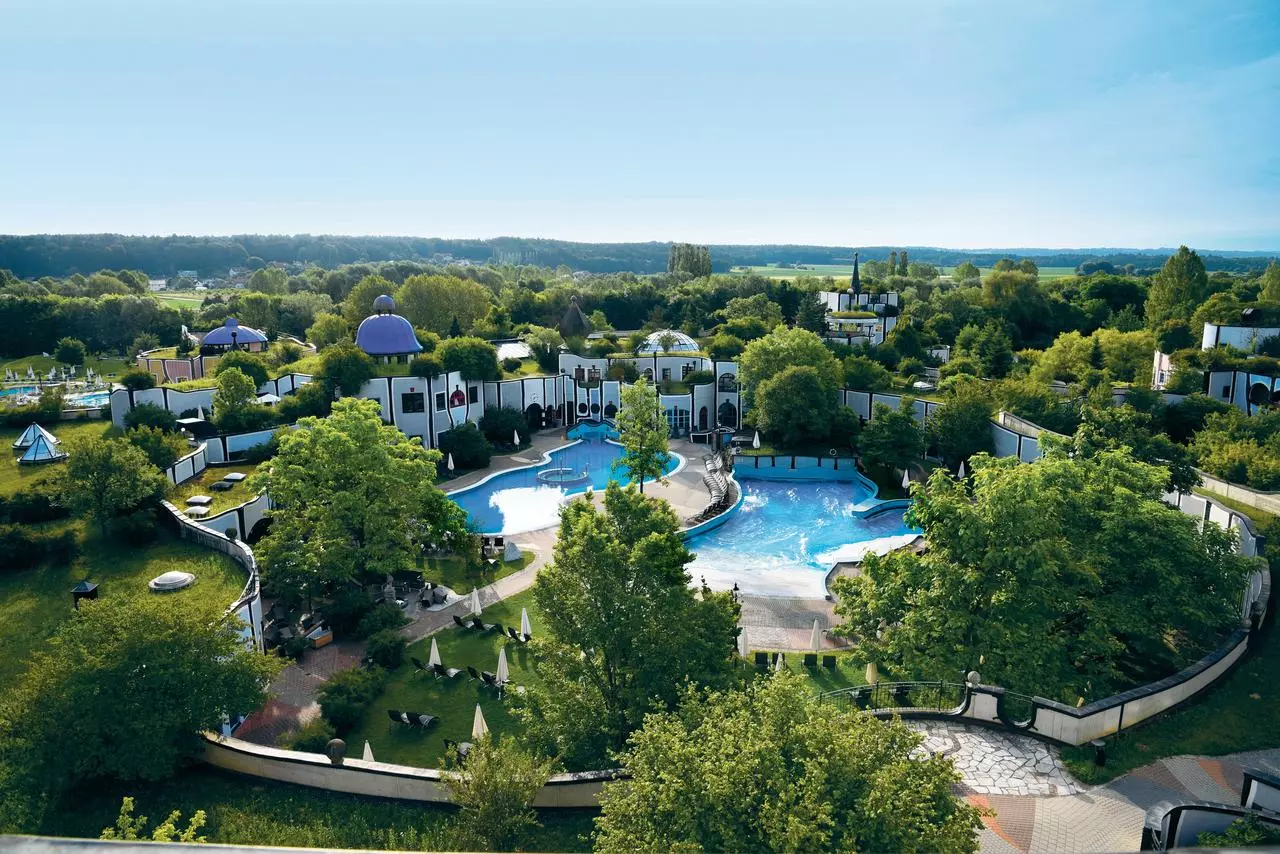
896 697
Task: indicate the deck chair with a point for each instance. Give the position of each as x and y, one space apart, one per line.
490 679
762 659
461 624
417 664
829 662
398 717
448 672
420 720
475 674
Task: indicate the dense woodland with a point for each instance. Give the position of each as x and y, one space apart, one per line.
32 256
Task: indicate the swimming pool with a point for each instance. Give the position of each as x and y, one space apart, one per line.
518 501
14 392
786 535
93 398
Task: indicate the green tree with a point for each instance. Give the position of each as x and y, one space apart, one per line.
966 271
625 631
235 403
71 351
812 315
359 303
137 379
1070 578
781 349
161 447
892 439
106 478
644 431
128 828
355 496
151 415
435 302
1106 427
344 369
794 407
545 343
1270 283
1180 286
989 346
863 374
474 358
893 262
268 280
769 768
758 306
249 364
902 263
132 682
961 427
724 347
142 343
328 329
494 791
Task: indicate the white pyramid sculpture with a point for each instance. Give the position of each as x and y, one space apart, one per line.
41 452
29 436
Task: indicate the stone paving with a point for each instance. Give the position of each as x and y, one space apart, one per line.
1035 806
998 763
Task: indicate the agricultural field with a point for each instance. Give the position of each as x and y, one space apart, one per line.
838 271
188 299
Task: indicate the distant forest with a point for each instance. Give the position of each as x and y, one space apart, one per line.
59 255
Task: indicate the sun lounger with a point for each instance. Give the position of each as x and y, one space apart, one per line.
516 636
475 674
448 672
490 679
419 720
461 624
417 664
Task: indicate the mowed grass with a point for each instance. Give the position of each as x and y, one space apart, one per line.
14 477
33 603
189 299
251 811
454 572
233 497
453 701
41 365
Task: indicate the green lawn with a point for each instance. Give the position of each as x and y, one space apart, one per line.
453 572
850 669
34 602
233 497
1241 713
42 364
528 368
453 701
14 477
189 299
250 811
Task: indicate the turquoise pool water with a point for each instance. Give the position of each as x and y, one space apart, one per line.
93 398
787 535
515 501
14 392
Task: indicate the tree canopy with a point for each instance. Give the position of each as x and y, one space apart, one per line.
625 631
104 479
1068 578
785 348
355 498
643 430
1180 286
769 768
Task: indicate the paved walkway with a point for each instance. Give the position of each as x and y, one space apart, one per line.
1038 807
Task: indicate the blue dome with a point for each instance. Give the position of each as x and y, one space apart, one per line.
385 334
222 336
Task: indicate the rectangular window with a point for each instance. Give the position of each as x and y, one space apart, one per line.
1226 391
473 394
666 374
413 402
440 401
685 370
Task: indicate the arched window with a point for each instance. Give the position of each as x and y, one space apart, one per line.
702 418
610 410
728 382
595 409
582 409
728 415
533 414
1259 394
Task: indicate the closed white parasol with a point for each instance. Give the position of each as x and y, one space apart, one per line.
479 729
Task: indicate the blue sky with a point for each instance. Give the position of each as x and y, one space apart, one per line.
1129 123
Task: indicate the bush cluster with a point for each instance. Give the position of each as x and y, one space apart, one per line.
345 696
22 547
31 507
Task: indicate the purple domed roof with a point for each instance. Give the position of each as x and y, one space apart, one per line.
222 336
385 334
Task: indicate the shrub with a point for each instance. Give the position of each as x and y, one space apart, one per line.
468 446
346 695
71 351
313 737
47 408
142 343
160 447
386 648
186 413
22 547
911 367
232 533
314 398
263 451
383 616
499 423
344 610
286 353
31 506
627 372
248 364
698 378
136 528
150 415
426 366
511 365
137 380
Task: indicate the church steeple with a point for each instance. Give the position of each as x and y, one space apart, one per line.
855 283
